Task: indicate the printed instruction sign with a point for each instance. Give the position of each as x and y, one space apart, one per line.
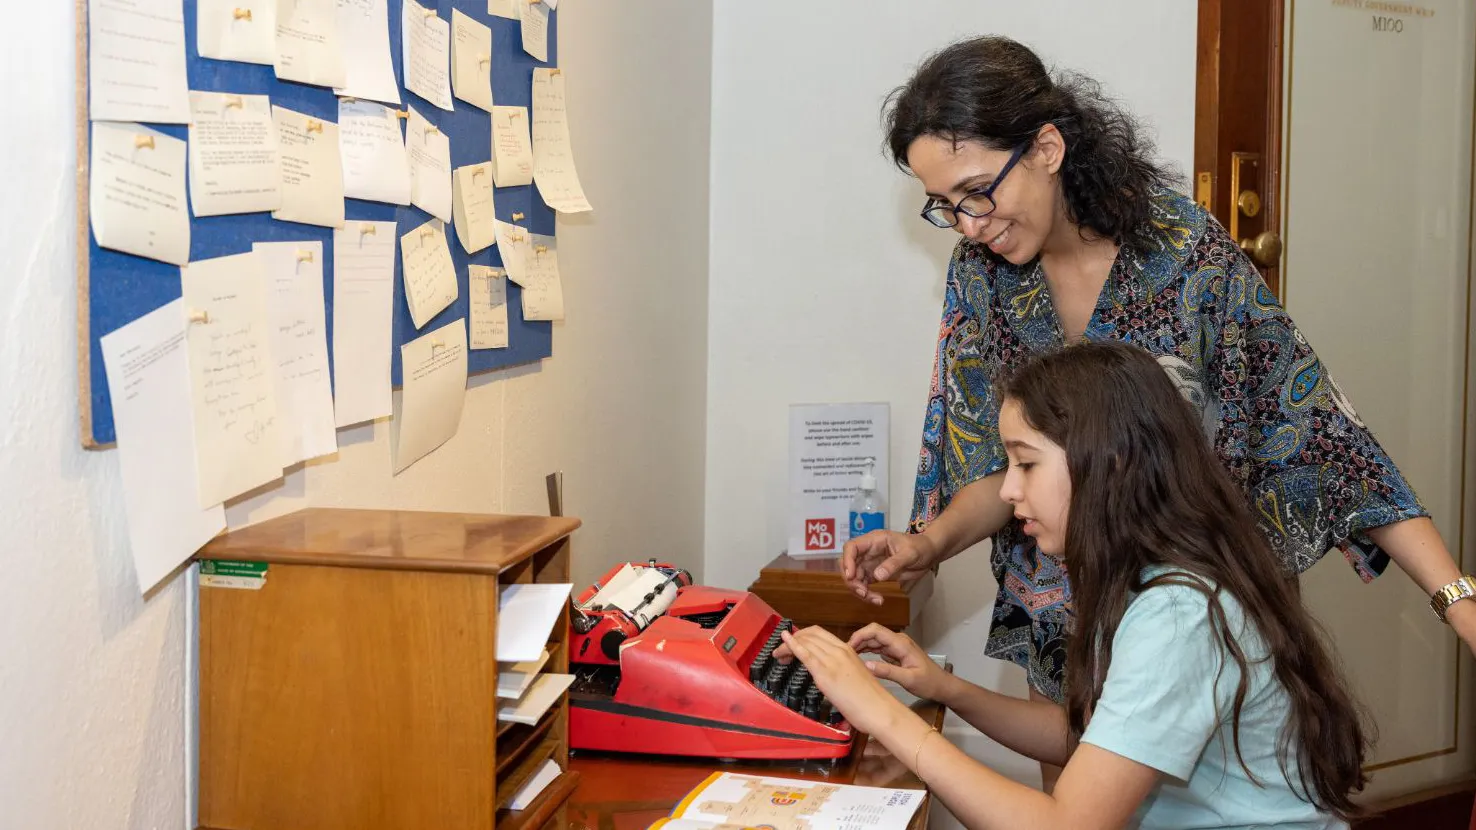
829 445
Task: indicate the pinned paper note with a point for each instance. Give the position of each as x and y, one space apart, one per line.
237 30
369 71
543 291
136 193
149 383
505 8
312 170
487 297
237 445
299 344
425 44
514 246
363 321
512 149
476 215
430 166
430 276
471 60
535 29
234 163
375 164
135 60
434 392
309 46
553 155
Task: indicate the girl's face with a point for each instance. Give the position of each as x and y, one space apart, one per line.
1026 199
1037 483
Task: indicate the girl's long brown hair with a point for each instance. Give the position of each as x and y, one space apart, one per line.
1146 489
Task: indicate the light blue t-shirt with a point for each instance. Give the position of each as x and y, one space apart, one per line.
1163 706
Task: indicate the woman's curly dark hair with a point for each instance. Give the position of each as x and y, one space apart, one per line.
997 91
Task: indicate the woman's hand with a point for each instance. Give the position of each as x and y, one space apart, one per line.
882 555
843 678
905 664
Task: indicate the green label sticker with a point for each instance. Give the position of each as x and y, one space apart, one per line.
226 573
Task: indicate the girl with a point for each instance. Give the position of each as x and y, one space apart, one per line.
1198 693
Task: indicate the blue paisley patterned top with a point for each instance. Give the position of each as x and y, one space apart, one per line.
1314 475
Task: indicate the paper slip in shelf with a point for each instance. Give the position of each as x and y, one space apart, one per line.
487 298
149 380
526 614
363 321
309 46
512 149
299 342
547 774
237 444
513 679
729 799
237 30
471 60
312 170
135 60
136 192
430 275
235 166
425 51
473 208
375 164
369 71
429 150
542 694
543 291
434 392
553 154
535 29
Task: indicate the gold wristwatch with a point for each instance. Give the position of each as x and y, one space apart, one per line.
1463 588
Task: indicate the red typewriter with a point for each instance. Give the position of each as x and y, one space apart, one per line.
666 667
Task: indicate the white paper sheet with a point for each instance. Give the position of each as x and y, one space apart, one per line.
136 192
429 274
149 382
546 774
513 679
237 441
542 694
237 30
425 51
514 245
553 155
471 60
487 297
234 163
512 149
505 8
363 321
135 60
299 343
474 210
526 614
433 391
535 30
312 170
543 290
368 68
309 46
430 166
375 164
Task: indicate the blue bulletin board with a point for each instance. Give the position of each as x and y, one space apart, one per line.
115 288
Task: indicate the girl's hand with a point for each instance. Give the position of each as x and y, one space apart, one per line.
906 664
844 679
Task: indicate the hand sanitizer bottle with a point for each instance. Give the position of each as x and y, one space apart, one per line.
868 509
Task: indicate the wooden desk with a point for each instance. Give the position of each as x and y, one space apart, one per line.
811 591
630 792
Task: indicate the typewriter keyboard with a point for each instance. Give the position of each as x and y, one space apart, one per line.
790 684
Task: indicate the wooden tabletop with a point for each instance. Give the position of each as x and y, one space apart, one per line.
630 792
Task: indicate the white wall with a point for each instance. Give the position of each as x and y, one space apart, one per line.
825 285
92 693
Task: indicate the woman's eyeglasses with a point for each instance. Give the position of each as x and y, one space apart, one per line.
978 204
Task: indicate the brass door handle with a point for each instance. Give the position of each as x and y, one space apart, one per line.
1264 248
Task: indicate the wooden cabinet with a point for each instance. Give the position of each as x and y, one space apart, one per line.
811 591
350 684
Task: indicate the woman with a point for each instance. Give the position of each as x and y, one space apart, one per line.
1071 233
1209 699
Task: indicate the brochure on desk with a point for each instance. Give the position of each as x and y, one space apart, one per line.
730 800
